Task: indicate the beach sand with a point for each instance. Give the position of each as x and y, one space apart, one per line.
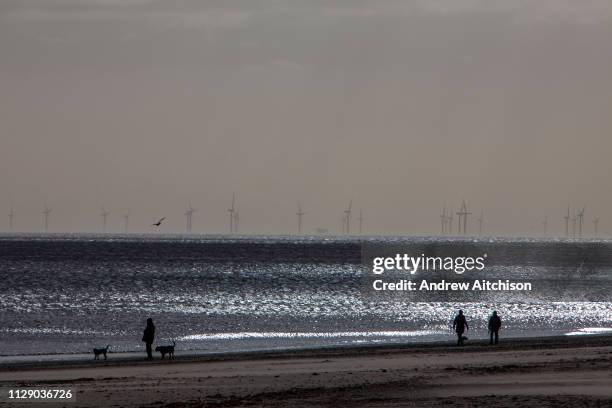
545 372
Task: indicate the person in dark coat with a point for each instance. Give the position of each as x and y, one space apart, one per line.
148 337
460 325
494 326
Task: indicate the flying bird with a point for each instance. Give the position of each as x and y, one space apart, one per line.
158 223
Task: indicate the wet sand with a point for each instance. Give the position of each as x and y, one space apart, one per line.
558 371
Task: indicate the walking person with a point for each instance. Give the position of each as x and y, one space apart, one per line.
148 337
460 325
494 326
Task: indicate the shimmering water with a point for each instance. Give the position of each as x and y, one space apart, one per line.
67 294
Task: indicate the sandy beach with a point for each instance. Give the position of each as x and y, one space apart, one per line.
558 371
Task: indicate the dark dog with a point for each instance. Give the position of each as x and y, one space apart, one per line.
166 350
98 351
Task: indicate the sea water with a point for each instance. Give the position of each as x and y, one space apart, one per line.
65 294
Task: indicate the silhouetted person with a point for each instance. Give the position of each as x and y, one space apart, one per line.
148 337
460 325
494 326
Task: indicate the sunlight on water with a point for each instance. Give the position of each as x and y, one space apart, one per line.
312 335
67 294
590 330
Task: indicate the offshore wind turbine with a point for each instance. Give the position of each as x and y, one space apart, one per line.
449 221
567 220
480 222
46 212
462 213
574 219
126 219
11 216
347 213
231 213
236 219
580 221
465 215
104 215
595 224
189 215
459 215
299 214
360 219
443 219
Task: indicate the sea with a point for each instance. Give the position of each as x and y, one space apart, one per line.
62 294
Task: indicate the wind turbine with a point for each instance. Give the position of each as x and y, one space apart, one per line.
480 222
347 213
236 219
104 215
545 226
580 221
46 213
11 216
567 220
360 219
595 224
189 214
231 211
299 214
126 218
459 216
443 219
463 213
449 221
574 218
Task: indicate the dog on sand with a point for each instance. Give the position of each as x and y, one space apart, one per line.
166 350
98 351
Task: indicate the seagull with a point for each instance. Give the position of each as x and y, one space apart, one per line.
158 223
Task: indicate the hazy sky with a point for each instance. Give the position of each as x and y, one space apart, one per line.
398 105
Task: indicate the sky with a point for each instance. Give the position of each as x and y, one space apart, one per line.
400 106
